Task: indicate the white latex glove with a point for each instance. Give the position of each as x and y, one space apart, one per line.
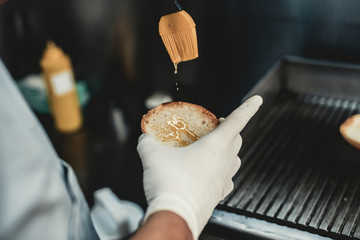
190 181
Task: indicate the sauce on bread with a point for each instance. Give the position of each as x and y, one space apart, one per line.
180 132
178 124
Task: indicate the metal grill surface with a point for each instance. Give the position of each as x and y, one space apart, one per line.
298 171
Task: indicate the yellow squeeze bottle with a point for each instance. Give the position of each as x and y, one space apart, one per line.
61 89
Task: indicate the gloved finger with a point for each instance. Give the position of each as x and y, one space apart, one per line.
221 119
235 166
238 119
236 144
141 137
229 186
146 144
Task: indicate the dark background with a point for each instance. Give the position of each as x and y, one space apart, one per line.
114 46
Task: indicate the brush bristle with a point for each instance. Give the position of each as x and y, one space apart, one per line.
182 45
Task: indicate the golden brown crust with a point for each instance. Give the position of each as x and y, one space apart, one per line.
182 110
162 106
350 125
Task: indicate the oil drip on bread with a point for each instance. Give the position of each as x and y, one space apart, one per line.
180 132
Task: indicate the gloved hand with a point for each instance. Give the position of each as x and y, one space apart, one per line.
190 181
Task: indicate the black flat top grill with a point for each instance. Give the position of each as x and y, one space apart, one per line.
297 170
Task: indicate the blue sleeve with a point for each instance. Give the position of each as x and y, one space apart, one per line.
39 194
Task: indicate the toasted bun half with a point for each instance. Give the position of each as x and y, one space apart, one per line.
178 124
350 130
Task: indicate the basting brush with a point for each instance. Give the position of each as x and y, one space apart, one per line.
178 33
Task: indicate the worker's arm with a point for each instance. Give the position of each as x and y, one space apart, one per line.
190 181
164 225
39 195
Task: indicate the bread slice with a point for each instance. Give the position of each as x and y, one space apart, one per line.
178 124
350 130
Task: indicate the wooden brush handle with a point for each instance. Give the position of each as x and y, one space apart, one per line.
170 6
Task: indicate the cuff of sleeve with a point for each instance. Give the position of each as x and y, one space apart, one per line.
171 203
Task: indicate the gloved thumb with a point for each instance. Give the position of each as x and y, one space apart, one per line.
238 119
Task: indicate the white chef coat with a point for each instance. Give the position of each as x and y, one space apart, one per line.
40 197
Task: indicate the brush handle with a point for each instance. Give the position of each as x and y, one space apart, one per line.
170 6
